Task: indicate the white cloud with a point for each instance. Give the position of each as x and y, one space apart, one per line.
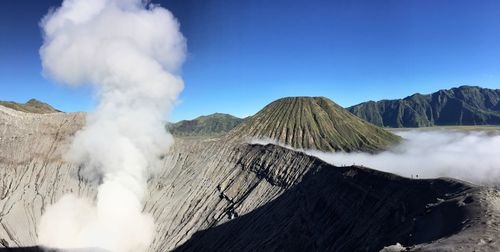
472 156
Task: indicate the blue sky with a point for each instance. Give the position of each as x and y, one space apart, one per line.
245 54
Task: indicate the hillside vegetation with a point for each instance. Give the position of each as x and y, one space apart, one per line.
32 106
465 105
313 123
209 125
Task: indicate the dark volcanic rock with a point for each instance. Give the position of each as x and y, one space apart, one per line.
42 249
465 105
24 249
347 209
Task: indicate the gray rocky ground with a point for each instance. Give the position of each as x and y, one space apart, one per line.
213 194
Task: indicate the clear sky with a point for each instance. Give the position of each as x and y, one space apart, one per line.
245 54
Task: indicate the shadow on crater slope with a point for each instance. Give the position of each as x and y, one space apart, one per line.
346 209
41 249
24 249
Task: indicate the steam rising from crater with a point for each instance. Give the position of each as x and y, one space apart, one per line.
131 51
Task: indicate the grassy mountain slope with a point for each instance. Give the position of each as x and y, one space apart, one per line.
32 106
465 105
209 125
313 123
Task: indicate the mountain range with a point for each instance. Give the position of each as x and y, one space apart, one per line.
464 105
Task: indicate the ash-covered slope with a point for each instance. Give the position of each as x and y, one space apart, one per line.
358 209
203 183
209 125
465 105
31 106
269 196
313 123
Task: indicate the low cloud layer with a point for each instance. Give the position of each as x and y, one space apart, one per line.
472 156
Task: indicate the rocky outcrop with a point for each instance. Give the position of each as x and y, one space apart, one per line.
225 195
313 123
465 105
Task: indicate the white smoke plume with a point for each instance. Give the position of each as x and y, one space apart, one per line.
131 51
472 156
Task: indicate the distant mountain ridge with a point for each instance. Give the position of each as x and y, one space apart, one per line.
31 106
313 123
209 125
465 105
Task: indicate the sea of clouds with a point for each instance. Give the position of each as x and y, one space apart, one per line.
473 156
